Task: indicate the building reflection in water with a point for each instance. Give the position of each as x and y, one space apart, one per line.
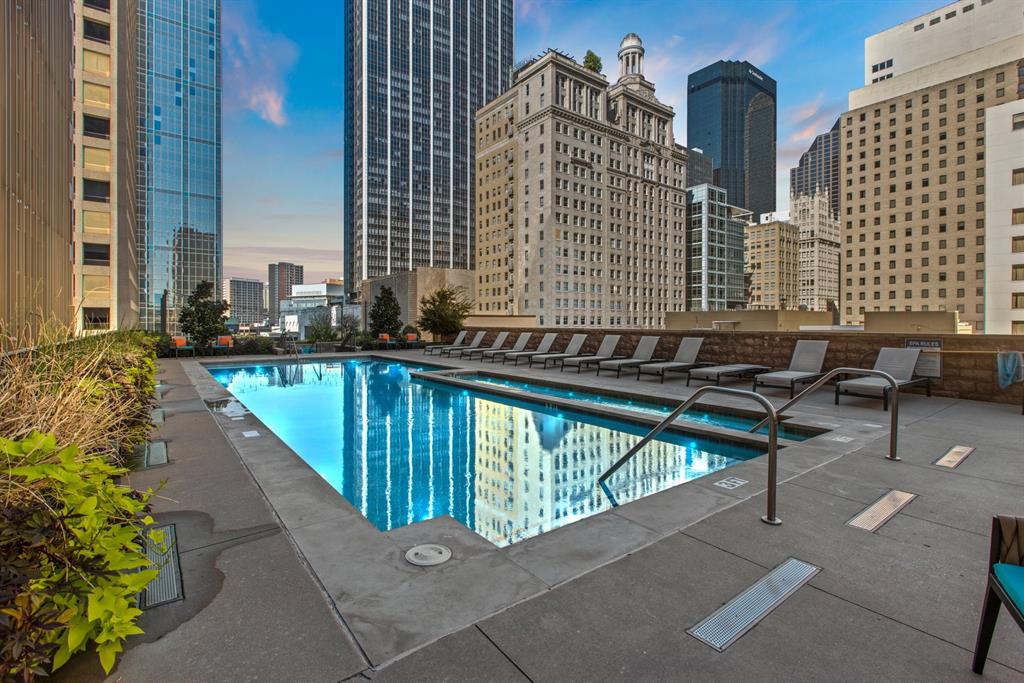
404 451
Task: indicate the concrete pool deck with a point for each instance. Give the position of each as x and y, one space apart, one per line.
282 575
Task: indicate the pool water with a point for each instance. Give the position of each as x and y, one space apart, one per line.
403 450
717 419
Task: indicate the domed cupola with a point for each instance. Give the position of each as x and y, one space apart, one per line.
631 56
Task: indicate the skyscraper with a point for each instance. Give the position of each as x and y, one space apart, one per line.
180 237
715 235
35 135
280 278
818 170
416 72
731 116
245 297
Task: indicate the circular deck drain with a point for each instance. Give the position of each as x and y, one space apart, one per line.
428 555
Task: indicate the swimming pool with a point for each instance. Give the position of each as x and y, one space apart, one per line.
719 419
402 450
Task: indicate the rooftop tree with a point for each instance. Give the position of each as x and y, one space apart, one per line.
202 318
444 311
592 61
385 313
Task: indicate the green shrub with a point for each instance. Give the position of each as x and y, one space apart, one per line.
73 562
253 344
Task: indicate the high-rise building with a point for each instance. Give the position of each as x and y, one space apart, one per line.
731 116
715 236
818 169
1004 218
35 166
773 264
280 278
415 75
913 167
700 168
179 230
106 291
819 250
580 197
245 297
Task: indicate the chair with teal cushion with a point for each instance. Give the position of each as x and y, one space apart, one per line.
1005 582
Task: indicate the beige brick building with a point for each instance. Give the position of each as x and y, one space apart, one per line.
912 160
581 198
772 257
819 250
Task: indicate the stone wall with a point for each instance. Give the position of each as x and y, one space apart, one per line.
968 361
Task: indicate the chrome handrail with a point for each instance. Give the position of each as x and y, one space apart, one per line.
773 443
894 409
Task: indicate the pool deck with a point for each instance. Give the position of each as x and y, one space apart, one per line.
284 580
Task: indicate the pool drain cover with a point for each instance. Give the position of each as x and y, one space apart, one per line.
428 555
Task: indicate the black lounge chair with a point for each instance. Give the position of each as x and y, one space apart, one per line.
571 349
449 350
804 367
498 342
1005 582
684 361
604 352
716 373
642 354
900 363
438 348
544 347
521 342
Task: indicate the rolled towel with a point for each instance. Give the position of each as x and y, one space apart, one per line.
1009 368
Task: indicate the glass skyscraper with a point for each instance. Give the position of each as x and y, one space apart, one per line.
818 170
731 116
416 71
715 237
180 240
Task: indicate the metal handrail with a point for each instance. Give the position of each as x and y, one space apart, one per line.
773 443
894 409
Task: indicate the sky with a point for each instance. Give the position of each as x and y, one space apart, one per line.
283 94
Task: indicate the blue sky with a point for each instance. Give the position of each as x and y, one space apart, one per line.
283 91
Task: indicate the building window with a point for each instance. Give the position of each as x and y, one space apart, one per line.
95 190
103 5
96 318
1017 327
1018 272
96 62
1017 217
95 254
1018 121
96 95
93 30
1017 300
1018 176
95 126
96 159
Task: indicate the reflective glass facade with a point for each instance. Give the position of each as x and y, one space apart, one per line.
416 71
731 116
818 170
179 184
714 251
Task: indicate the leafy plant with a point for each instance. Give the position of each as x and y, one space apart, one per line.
410 329
202 318
252 343
592 62
443 312
73 562
364 339
385 313
348 328
319 328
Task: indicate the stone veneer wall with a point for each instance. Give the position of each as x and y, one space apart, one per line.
968 363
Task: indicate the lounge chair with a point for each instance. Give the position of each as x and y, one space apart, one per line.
899 363
804 367
498 342
545 345
605 352
223 342
573 348
642 354
477 339
1005 582
438 348
716 373
684 361
521 342
179 344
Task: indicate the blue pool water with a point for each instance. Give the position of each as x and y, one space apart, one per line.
718 419
403 450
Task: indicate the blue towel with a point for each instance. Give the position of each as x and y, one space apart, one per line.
1009 366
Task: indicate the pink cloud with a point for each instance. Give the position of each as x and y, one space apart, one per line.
256 63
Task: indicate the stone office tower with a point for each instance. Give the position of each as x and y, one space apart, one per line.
416 73
581 197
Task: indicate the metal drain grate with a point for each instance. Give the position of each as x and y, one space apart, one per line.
882 510
954 456
729 622
149 454
166 587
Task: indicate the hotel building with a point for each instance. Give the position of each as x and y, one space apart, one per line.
773 264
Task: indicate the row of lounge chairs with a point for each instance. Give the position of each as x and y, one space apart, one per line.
805 364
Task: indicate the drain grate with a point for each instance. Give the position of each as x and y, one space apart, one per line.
728 623
954 456
428 555
882 510
156 416
166 587
149 454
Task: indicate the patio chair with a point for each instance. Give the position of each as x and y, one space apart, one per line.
899 363
179 344
437 348
224 342
604 352
1005 582
684 361
477 339
804 367
521 342
571 349
498 342
545 345
716 373
642 354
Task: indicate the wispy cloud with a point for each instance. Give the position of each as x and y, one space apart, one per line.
813 117
535 12
256 64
